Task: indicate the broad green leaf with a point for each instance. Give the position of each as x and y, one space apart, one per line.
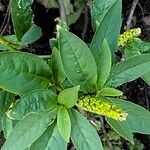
33 102
33 34
138 117
122 128
103 65
6 99
23 72
57 68
64 123
69 97
21 16
109 29
77 60
110 92
83 134
50 140
99 9
129 70
28 130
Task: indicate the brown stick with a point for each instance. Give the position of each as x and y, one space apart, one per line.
132 10
6 19
62 10
105 134
85 22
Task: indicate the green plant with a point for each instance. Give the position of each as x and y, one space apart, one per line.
45 115
130 46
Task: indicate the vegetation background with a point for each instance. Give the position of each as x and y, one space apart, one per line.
44 16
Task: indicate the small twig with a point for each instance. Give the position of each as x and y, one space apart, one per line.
85 22
130 17
7 23
6 19
146 98
105 134
141 9
62 10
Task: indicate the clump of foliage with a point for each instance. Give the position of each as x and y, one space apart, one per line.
39 100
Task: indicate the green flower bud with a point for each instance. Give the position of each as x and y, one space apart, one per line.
102 106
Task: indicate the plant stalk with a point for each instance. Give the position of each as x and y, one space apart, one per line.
7 44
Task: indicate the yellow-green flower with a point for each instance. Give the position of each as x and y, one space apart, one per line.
102 106
128 36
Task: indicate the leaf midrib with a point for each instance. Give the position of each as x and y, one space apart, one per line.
29 74
26 130
81 130
78 63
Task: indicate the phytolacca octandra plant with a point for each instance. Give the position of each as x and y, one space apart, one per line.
76 76
36 111
79 80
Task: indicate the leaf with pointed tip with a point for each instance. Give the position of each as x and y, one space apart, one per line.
108 29
129 70
77 60
98 11
83 134
103 64
138 118
33 34
57 68
122 128
21 16
69 97
64 123
28 130
110 92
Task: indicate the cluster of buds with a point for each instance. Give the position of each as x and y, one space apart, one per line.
128 36
102 106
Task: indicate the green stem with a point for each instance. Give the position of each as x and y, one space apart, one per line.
7 44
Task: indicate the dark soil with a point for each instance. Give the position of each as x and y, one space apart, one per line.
136 91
